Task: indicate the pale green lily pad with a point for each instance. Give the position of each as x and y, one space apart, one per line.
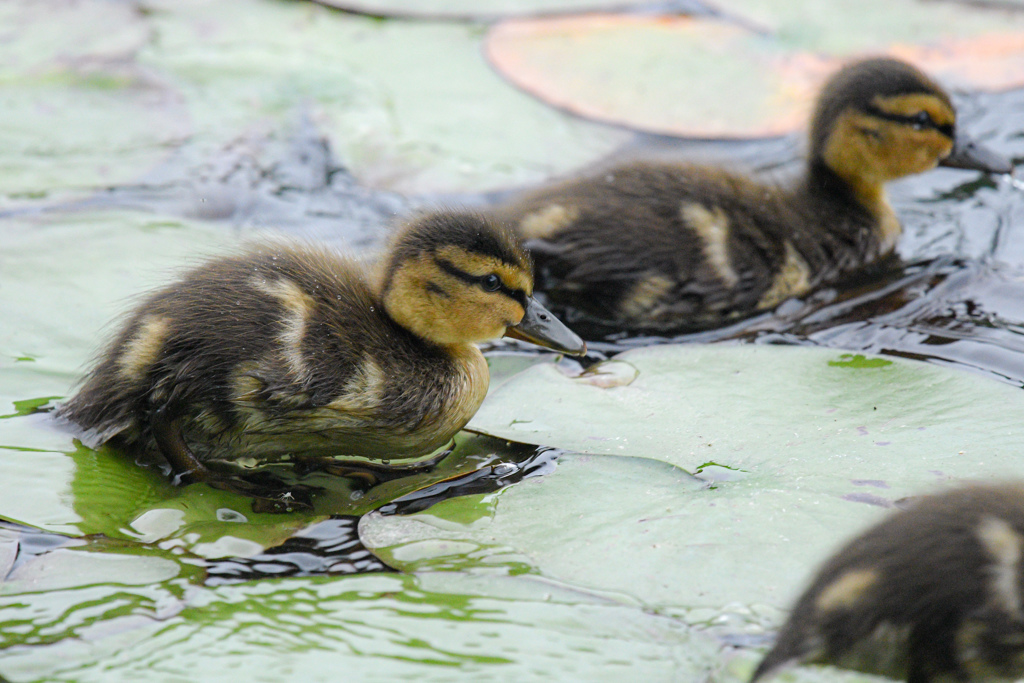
372 87
97 94
40 35
727 559
62 569
792 451
67 276
79 115
79 135
772 411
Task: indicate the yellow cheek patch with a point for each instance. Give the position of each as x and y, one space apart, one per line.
141 351
847 150
908 105
477 265
846 591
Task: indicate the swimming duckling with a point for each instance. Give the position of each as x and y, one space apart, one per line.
671 246
289 349
934 591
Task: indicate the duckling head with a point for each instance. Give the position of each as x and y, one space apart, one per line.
881 119
454 278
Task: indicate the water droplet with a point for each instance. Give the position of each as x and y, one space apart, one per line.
229 515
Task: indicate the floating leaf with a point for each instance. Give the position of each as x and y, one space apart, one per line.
62 569
642 531
753 73
795 449
788 411
372 88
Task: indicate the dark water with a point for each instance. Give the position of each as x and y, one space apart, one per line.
332 547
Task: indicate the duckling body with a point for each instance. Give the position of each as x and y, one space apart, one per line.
931 593
666 246
295 349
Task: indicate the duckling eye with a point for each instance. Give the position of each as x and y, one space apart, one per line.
921 120
490 283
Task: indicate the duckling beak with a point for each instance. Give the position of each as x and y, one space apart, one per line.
974 156
539 326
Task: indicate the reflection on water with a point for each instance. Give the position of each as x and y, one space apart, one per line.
380 627
327 548
968 314
333 547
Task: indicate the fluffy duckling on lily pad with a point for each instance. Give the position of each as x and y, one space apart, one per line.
662 246
933 593
294 349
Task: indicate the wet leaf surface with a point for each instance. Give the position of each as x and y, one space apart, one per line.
790 411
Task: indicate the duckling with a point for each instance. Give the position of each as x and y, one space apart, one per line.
293 349
663 246
933 592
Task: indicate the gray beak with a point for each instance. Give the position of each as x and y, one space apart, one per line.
539 326
971 155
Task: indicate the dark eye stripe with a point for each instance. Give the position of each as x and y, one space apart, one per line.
517 295
911 120
436 289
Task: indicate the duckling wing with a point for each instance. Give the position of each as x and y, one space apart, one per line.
657 246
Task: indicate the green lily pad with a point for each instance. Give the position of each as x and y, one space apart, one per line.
100 94
61 569
642 532
783 411
37 38
76 136
66 276
79 115
751 74
371 86
792 451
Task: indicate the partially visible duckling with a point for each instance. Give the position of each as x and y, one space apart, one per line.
931 592
672 246
289 349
